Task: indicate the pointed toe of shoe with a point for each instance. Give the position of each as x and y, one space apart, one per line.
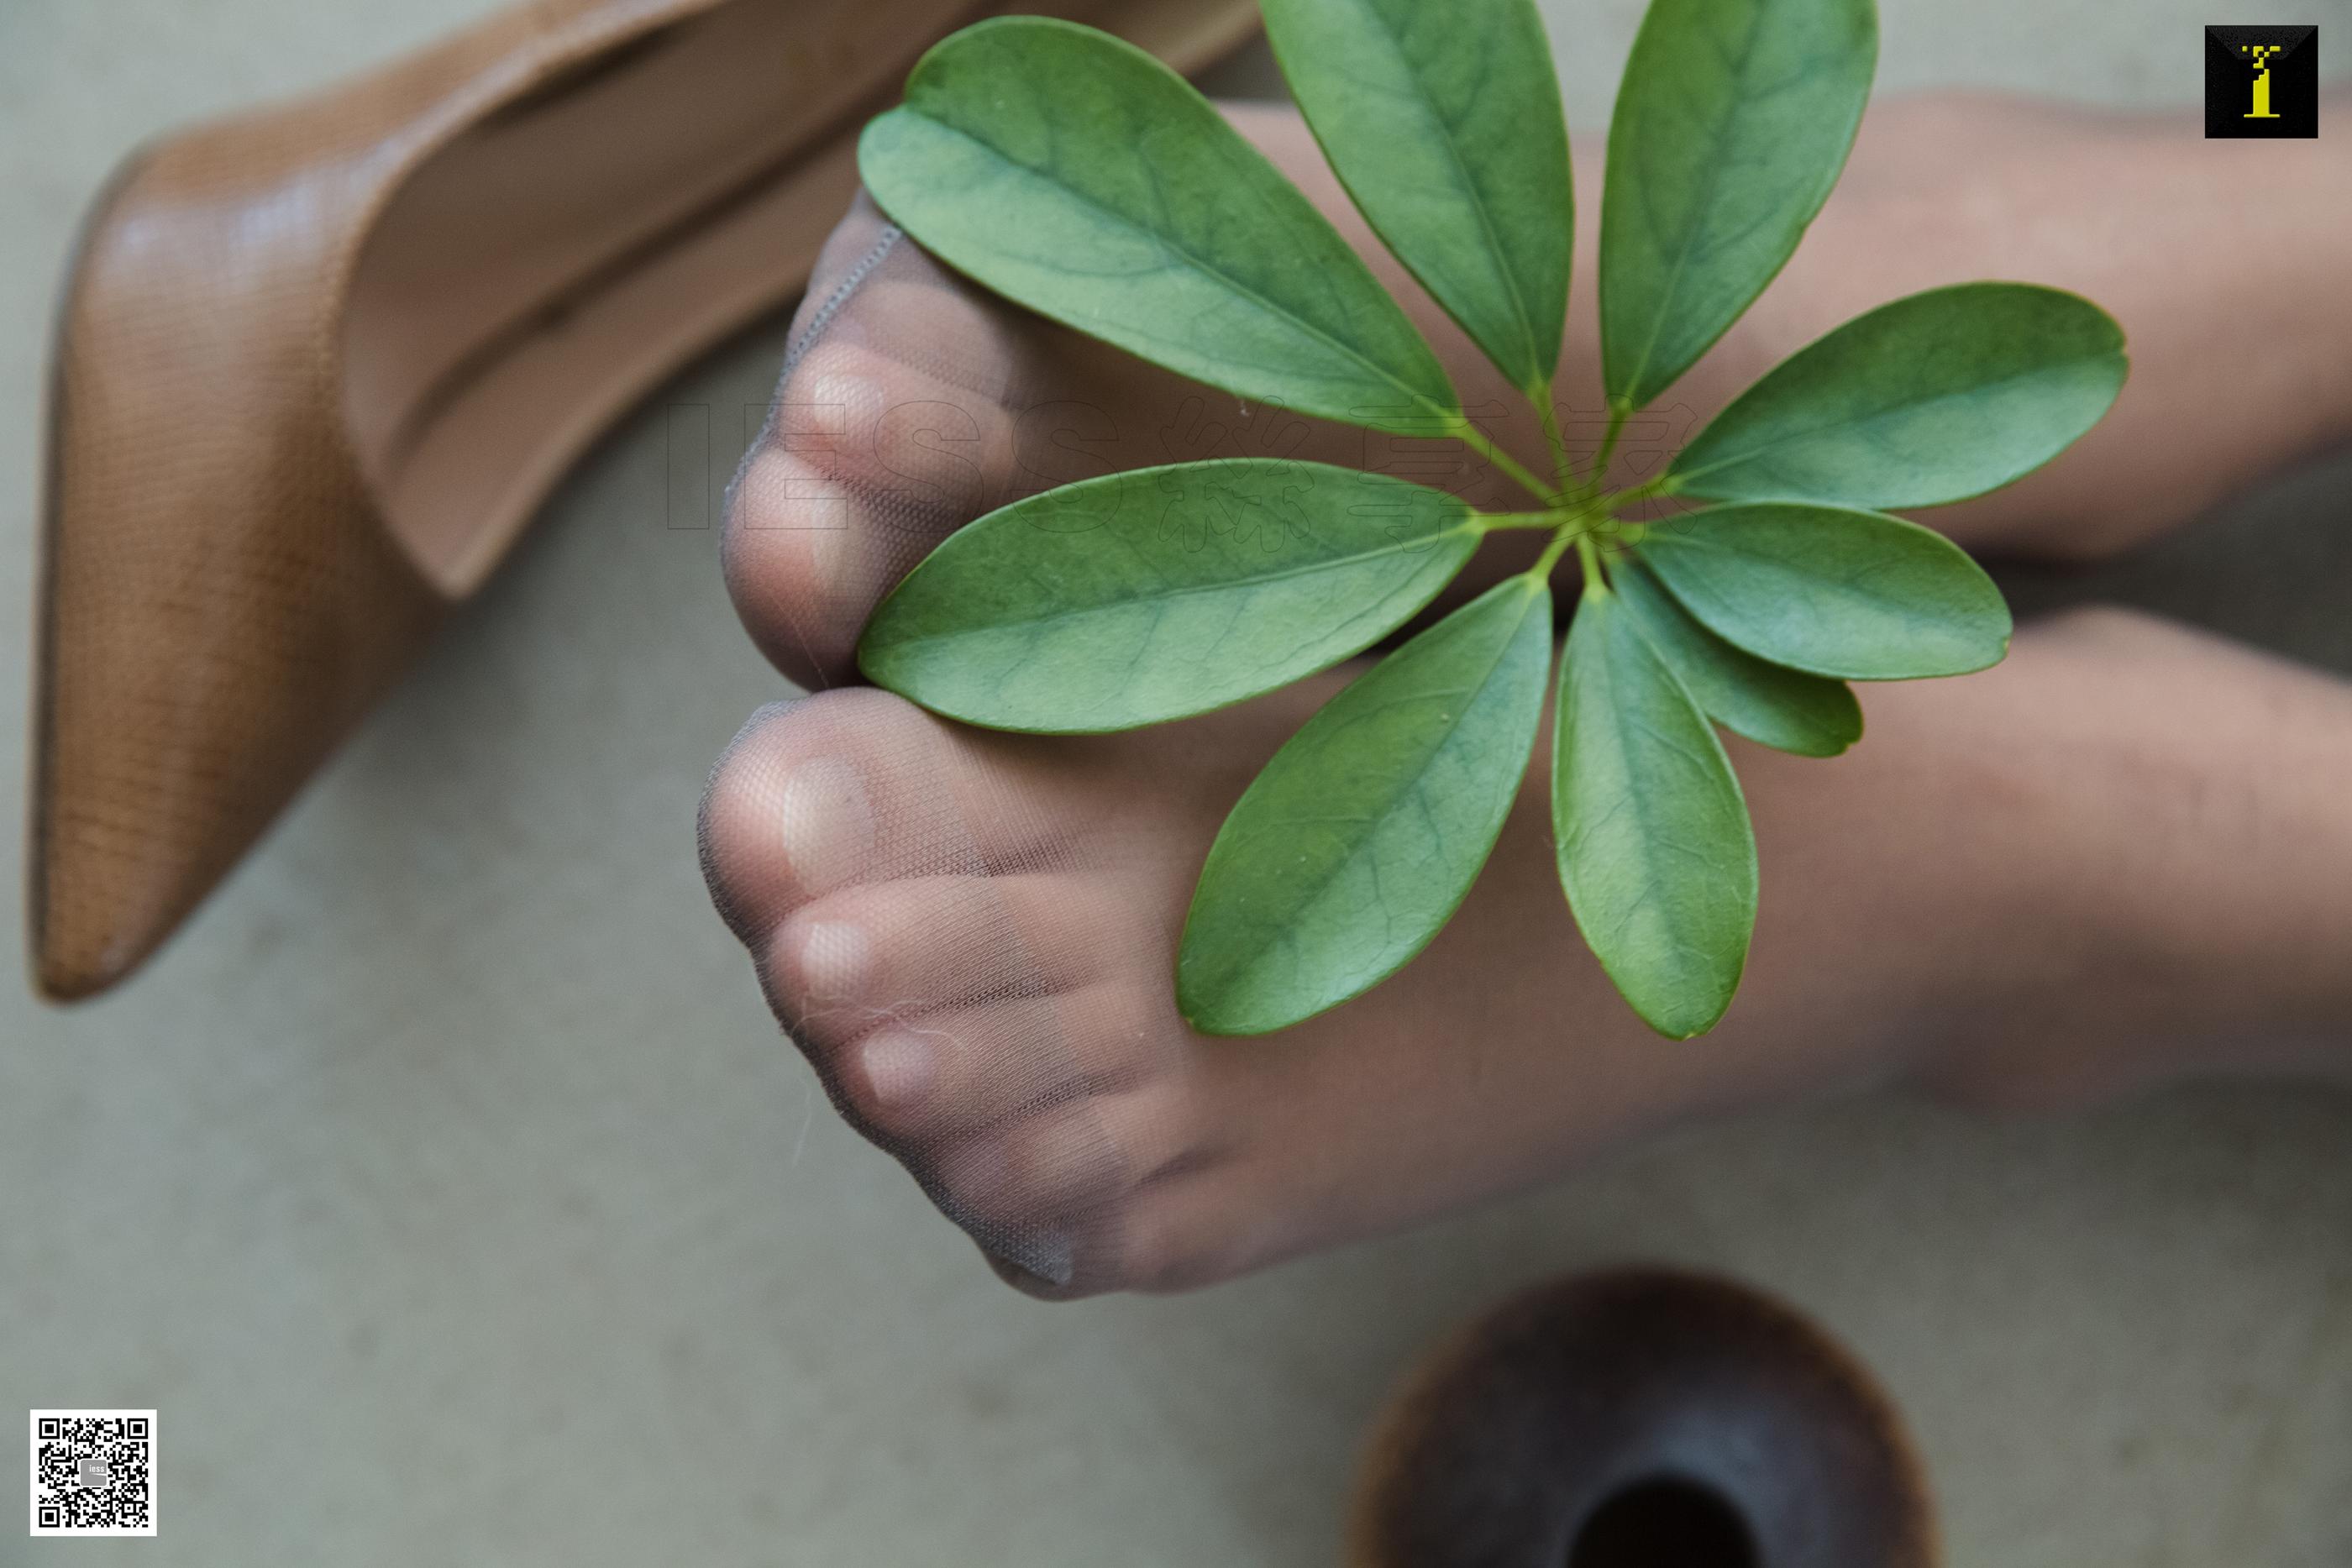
220 603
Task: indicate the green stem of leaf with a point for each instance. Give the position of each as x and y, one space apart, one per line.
1573 526
1619 412
1563 470
1470 435
1588 554
1633 495
1541 571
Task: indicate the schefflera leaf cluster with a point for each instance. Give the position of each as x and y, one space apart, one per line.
1077 176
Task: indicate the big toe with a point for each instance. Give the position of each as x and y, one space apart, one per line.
889 430
975 1000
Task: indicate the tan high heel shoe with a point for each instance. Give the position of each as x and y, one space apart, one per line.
317 366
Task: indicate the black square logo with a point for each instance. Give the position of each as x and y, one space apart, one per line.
2262 81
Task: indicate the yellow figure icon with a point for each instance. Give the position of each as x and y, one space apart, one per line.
2260 55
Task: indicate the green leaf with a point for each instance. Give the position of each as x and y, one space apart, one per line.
1733 121
1444 124
1654 846
1359 840
1836 592
1075 173
1160 592
1934 398
1770 704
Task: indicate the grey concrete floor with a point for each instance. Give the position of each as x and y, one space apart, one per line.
451 1194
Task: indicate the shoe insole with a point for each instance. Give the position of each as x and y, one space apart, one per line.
539 272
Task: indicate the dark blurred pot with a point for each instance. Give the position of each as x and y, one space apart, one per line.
1642 1418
